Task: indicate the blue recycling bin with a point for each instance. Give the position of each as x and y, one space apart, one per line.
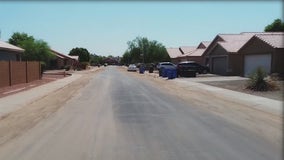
171 73
164 72
141 69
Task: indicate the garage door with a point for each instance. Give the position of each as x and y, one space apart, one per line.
254 61
219 65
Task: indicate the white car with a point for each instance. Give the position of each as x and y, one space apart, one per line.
132 67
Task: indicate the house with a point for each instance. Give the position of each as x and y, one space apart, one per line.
196 53
222 54
264 50
111 61
225 57
185 51
188 53
62 60
9 52
174 54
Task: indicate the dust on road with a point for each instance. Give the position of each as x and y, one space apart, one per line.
19 121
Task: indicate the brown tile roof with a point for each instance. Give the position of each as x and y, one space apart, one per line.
206 43
198 52
234 42
10 47
187 49
61 55
173 52
276 40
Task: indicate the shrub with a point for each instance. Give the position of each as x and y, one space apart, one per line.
258 82
84 65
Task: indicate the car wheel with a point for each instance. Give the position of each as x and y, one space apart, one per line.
204 71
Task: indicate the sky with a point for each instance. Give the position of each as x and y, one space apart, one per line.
104 28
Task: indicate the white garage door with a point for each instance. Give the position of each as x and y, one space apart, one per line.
219 65
254 61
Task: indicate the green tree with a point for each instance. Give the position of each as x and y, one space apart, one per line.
142 50
35 50
95 59
276 26
83 53
18 38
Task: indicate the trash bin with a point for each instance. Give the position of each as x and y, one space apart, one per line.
141 69
171 73
164 72
151 69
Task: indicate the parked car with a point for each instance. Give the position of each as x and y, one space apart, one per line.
165 65
190 68
162 64
132 67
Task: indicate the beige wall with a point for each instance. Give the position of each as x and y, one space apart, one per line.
235 65
278 61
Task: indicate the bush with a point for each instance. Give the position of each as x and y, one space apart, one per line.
84 65
258 82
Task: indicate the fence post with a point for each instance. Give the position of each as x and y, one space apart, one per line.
27 78
39 70
10 73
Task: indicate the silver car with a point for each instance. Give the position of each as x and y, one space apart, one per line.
132 67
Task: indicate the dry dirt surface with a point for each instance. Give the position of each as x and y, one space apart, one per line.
6 91
265 124
240 86
19 121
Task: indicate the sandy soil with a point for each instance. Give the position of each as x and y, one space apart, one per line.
265 124
16 123
240 86
46 78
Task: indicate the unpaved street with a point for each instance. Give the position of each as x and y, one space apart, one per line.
124 116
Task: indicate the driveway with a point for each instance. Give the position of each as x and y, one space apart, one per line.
122 116
212 77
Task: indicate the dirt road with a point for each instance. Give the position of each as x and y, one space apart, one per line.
125 116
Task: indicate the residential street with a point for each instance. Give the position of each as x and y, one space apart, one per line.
119 116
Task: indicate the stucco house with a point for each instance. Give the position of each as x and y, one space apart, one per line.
225 57
263 50
63 60
174 54
9 52
196 53
189 53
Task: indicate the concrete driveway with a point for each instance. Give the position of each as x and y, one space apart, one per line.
212 77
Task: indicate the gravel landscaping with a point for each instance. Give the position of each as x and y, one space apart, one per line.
240 85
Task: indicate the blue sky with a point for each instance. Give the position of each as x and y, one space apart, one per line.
105 27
